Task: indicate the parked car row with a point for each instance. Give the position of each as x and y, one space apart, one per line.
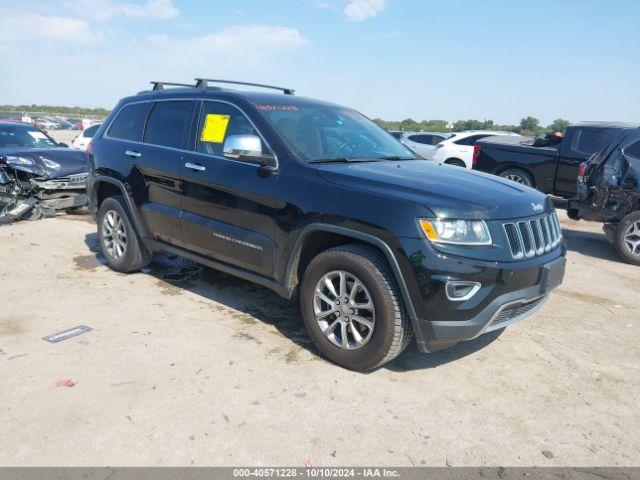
572 164
315 201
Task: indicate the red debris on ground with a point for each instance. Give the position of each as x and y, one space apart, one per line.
67 382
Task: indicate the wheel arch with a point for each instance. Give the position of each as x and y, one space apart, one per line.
104 187
450 160
316 238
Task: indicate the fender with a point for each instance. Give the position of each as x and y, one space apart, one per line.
137 221
294 258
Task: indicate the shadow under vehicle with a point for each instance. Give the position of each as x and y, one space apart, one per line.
609 191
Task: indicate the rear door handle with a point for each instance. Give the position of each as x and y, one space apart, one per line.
133 153
195 166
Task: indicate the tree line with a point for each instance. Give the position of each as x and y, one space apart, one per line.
54 109
529 126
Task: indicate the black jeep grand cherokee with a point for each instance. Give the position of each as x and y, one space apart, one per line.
290 192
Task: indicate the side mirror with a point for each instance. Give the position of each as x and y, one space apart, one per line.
63 145
247 148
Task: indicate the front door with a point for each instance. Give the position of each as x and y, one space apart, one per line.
228 205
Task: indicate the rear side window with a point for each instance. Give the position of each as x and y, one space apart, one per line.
168 123
91 131
589 141
424 139
129 123
471 140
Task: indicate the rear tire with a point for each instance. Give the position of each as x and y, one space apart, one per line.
518 175
627 238
119 241
389 331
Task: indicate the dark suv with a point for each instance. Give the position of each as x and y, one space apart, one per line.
301 195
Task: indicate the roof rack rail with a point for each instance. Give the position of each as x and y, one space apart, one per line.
160 85
203 83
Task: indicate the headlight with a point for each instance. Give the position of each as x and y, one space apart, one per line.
456 232
19 161
51 163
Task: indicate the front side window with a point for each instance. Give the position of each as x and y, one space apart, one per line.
168 123
129 123
218 121
318 132
20 136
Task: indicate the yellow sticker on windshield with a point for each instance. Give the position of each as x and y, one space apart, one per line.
215 128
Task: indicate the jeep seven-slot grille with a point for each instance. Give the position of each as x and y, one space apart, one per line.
531 238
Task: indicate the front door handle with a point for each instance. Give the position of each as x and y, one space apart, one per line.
133 153
195 166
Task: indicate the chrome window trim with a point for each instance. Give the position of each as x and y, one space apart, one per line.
198 111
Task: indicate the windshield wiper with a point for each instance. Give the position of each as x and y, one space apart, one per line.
396 158
344 160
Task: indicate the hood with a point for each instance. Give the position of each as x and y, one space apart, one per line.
451 192
42 161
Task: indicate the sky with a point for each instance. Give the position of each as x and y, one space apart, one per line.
392 59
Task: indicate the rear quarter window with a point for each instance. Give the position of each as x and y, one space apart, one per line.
91 131
589 141
129 122
633 150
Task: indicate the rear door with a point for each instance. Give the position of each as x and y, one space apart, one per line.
150 138
228 205
577 147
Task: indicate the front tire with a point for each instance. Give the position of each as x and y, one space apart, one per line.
351 308
119 242
627 238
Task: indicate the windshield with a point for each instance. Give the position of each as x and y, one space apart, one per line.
326 133
24 136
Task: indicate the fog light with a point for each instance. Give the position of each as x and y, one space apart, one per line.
459 291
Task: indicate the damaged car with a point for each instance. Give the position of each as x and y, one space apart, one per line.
38 176
609 192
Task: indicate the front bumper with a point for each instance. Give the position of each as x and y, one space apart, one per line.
510 292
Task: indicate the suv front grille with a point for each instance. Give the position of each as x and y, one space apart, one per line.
531 238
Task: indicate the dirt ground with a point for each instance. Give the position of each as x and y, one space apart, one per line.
188 366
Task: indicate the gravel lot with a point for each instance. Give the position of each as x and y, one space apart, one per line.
188 366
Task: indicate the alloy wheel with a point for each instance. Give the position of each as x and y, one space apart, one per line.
114 234
632 238
515 178
344 310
